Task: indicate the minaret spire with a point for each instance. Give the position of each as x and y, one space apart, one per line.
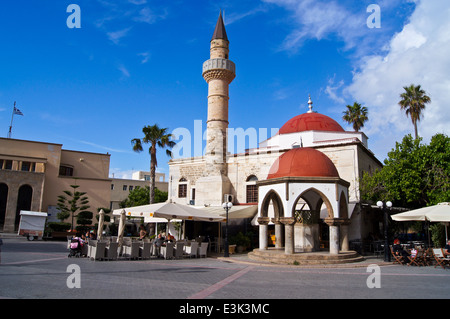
219 31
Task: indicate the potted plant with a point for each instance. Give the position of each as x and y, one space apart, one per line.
241 241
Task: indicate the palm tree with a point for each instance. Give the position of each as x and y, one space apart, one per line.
356 115
413 101
155 136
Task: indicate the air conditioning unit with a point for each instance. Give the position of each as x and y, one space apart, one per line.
228 198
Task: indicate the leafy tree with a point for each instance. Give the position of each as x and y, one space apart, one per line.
74 203
356 115
140 196
156 137
413 101
414 175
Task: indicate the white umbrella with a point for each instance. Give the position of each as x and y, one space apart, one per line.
169 211
101 221
179 211
143 211
122 221
436 213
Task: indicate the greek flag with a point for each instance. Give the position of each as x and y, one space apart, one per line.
17 111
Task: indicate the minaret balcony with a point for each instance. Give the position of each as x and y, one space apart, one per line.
219 69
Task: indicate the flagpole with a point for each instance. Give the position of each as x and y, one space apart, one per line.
12 117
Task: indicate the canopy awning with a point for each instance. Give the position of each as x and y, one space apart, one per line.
235 212
145 211
436 213
161 212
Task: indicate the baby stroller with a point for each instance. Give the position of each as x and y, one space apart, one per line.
75 247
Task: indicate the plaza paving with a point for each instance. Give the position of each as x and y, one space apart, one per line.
42 270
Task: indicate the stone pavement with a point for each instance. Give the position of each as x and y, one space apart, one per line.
41 270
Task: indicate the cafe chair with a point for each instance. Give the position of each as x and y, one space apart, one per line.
167 251
398 258
203 249
145 250
416 259
440 258
191 250
179 249
111 251
98 251
131 251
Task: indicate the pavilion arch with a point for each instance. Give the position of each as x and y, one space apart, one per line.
314 203
272 196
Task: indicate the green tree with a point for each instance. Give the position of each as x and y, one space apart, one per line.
74 203
413 101
415 174
156 137
356 115
141 195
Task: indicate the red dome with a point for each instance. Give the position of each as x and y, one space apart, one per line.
303 162
310 122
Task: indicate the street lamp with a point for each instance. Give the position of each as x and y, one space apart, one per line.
227 206
383 205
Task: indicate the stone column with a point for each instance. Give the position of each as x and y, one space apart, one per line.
279 234
263 222
334 223
344 235
288 233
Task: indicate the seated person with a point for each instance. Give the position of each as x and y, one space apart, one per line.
399 251
447 248
170 238
159 241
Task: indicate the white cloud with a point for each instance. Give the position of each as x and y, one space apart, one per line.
332 88
318 19
236 16
146 15
419 54
145 57
118 173
124 71
117 35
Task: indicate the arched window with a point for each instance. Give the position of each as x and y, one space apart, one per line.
251 189
182 188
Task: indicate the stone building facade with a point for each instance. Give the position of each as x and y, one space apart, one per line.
33 174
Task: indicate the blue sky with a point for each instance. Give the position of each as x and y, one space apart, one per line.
138 62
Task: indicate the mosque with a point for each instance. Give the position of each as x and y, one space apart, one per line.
300 184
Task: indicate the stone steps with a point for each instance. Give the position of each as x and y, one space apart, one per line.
310 258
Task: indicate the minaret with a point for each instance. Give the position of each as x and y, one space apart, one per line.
218 72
